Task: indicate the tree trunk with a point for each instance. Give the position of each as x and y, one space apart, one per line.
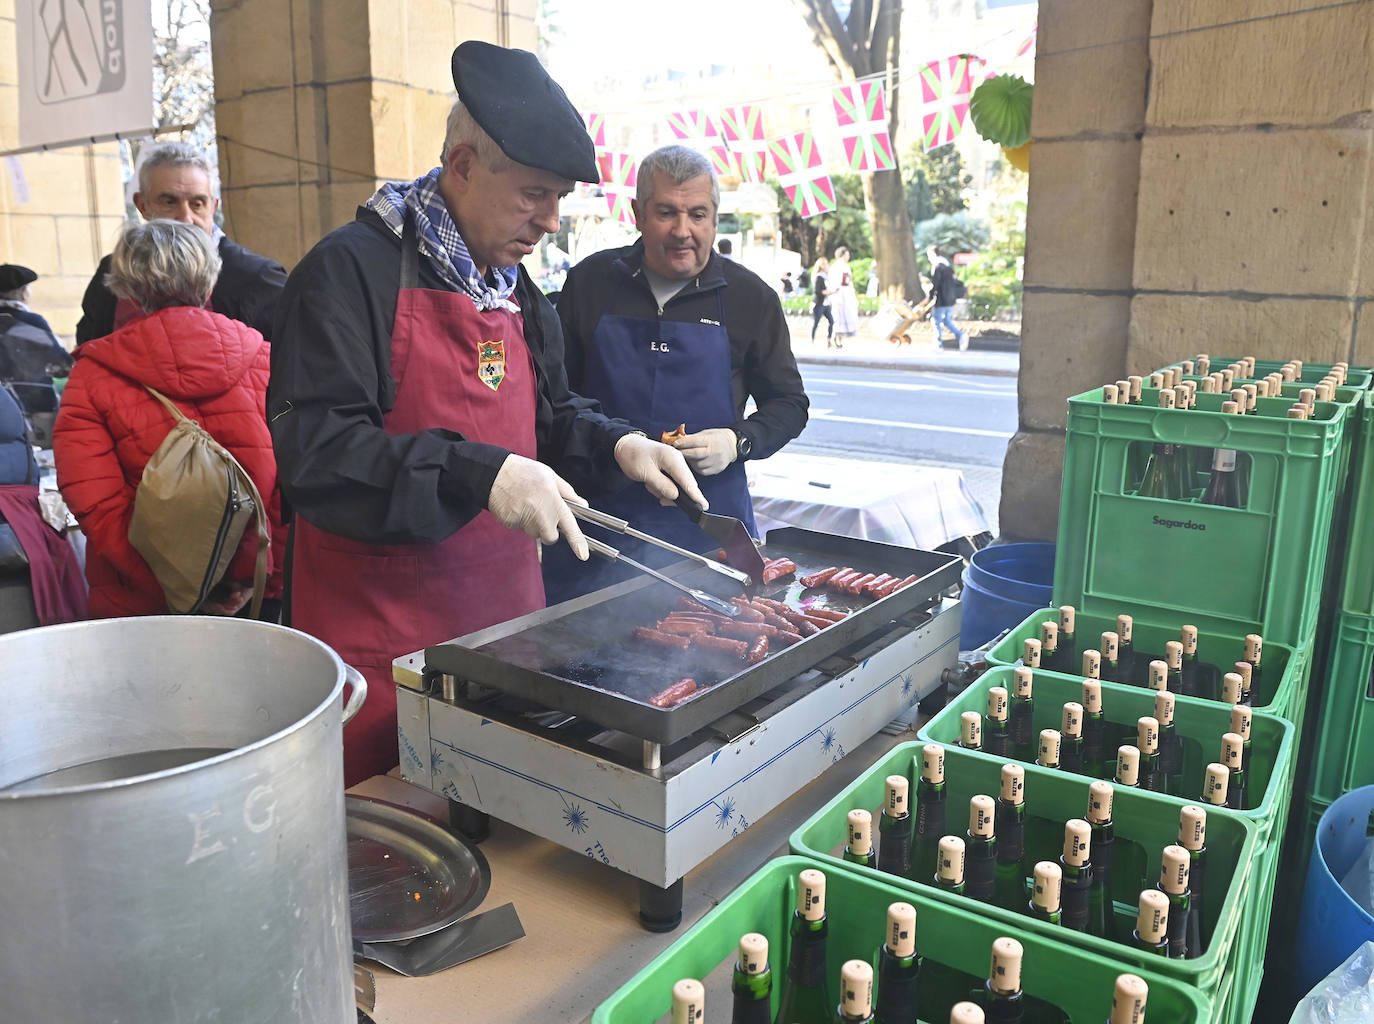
893 252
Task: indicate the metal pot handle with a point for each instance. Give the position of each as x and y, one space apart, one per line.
355 679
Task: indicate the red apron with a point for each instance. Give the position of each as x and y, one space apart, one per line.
373 603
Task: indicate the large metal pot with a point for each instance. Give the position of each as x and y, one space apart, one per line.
135 886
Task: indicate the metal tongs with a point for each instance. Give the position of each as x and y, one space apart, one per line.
716 604
610 522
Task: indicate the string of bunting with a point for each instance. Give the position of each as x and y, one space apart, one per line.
736 142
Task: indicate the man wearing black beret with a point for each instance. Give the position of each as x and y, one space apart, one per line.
418 396
30 354
174 183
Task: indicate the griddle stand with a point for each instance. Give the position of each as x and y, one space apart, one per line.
655 811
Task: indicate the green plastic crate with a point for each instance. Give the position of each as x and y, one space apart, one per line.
1119 552
1200 725
1146 823
1281 690
955 943
1344 755
1357 587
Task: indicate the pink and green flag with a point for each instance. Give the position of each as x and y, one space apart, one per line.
743 129
861 112
618 184
801 172
596 128
946 85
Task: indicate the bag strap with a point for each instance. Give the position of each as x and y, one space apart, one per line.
264 533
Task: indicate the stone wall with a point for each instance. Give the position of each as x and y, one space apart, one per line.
73 210
1200 181
318 101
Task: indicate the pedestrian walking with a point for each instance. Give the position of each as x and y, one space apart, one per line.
821 292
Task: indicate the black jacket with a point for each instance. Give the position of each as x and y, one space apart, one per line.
761 361
332 384
942 284
248 288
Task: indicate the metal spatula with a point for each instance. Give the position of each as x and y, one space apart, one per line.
709 600
732 535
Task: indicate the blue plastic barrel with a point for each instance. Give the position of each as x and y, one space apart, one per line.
1002 585
1332 925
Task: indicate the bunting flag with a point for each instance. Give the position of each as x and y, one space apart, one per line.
1028 46
801 172
743 129
861 112
946 85
596 128
695 127
618 184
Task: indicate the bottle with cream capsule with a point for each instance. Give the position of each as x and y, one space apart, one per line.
1077 873
966 1013
1215 782
1128 1000
1170 744
1092 664
1231 686
996 727
1147 742
1233 757
971 730
1005 1002
1151 924
1128 765
1173 883
1048 756
1254 649
949 868
1110 665
1049 645
1246 671
895 827
1125 649
859 848
980 848
1010 826
1193 671
856 993
1192 836
1241 720
899 968
689 1002
1022 713
930 811
806 989
1173 657
1095 758
1071 738
1067 651
752 984
1102 841
1158 676
1032 654
1045 893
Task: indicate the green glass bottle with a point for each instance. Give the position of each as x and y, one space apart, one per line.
1173 658
1128 765
689 1002
1032 654
1068 655
899 968
1163 470
1048 756
1071 738
1223 485
980 845
1215 783
1231 687
895 827
1241 720
996 727
805 990
1004 1002
1184 454
1191 669
1044 903
949 870
1100 848
752 985
1092 665
1158 675
1049 645
1095 759
1170 744
1147 742
971 730
1077 874
1125 627
1022 714
930 812
856 994
1011 839
1246 671
1152 923
859 848
1128 1000
1108 648
1192 836
1173 883
1233 757
1254 649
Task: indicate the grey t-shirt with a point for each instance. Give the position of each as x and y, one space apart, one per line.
662 287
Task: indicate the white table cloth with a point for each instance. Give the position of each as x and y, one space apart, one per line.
913 506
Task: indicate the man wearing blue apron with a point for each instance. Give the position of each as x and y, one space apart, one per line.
667 333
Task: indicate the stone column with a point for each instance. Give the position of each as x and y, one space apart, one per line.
319 101
1091 74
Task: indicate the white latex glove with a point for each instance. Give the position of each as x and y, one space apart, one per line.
530 497
659 467
709 451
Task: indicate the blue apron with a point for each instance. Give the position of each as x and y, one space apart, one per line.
657 374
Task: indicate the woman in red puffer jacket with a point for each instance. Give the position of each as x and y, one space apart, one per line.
212 368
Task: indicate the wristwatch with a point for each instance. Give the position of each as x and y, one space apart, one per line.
743 446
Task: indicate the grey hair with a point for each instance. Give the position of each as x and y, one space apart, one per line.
679 164
463 129
172 154
162 263
15 296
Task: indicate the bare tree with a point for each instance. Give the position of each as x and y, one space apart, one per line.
867 42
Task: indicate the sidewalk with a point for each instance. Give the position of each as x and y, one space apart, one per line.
994 356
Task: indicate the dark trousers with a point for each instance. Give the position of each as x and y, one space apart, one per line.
816 314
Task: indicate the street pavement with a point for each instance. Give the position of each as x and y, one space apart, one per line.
999 357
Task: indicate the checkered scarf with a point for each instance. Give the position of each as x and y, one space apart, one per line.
440 241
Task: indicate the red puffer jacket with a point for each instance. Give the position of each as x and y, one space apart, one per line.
215 370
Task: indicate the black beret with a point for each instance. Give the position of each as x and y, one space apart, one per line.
13 277
525 112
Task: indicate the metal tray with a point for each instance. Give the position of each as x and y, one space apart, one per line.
407 875
580 657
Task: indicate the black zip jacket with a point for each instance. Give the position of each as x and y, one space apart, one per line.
761 362
331 385
247 291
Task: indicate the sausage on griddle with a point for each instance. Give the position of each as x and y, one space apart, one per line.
758 650
818 578
679 691
654 636
777 568
736 648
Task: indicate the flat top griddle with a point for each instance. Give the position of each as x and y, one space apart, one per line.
581 656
